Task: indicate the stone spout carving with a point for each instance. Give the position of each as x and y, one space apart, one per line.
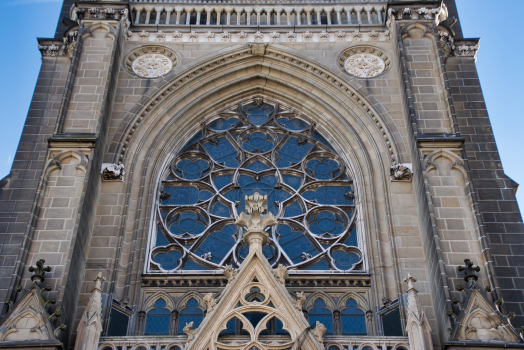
230 273
301 300
191 333
210 302
280 274
318 332
113 172
401 172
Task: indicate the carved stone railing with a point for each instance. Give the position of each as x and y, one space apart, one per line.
174 342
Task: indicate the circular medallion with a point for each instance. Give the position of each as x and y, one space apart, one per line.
364 65
151 61
364 61
152 65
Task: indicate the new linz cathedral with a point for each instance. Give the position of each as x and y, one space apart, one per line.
259 175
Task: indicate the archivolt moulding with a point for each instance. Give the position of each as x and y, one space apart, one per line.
270 52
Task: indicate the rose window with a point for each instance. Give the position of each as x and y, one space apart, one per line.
264 148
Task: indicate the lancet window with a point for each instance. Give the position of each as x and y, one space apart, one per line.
256 147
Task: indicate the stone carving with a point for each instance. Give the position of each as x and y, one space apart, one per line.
160 36
387 33
113 172
318 332
340 36
356 35
406 13
152 65
259 37
193 37
275 36
39 271
281 274
93 12
90 326
400 172
53 50
207 256
191 333
291 36
301 300
108 12
177 36
467 50
210 302
418 329
144 36
424 13
242 36
373 35
308 36
226 37
256 205
230 273
210 36
364 65
323 36
305 256
164 195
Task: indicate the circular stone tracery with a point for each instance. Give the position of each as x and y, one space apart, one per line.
152 65
364 65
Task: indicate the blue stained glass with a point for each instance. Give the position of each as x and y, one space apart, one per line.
352 319
158 320
192 141
323 169
293 209
191 265
292 152
322 139
293 124
345 261
218 243
321 314
294 243
181 195
223 151
222 124
258 142
192 169
325 222
293 181
222 180
220 209
161 239
258 115
321 265
188 222
254 317
190 314
168 260
268 251
352 240
257 166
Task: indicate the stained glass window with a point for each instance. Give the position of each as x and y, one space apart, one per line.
322 314
269 149
158 320
353 319
191 313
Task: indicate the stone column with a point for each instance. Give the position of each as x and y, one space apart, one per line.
90 326
339 17
141 322
168 16
328 15
288 14
208 19
148 15
308 15
418 329
359 15
174 322
379 14
219 13
228 17
337 325
198 18
258 18
178 13
158 14
319 18
137 19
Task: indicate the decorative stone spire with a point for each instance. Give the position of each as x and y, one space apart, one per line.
90 326
418 329
255 236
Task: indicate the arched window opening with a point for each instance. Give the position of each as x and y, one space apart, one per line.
322 314
158 320
353 319
192 313
269 149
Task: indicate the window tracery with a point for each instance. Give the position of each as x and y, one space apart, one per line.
269 149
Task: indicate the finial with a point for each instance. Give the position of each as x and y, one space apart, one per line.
99 279
410 280
469 270
39 271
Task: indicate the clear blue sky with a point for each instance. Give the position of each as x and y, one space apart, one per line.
499 64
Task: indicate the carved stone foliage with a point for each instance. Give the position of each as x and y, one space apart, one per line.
400 172
151 61
113 172
364 61
479 317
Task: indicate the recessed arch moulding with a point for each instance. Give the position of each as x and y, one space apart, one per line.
153 135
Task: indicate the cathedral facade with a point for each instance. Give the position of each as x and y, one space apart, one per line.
259 175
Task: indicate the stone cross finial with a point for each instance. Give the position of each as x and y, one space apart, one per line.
255 236
39 271
410 280
99 279
470 271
